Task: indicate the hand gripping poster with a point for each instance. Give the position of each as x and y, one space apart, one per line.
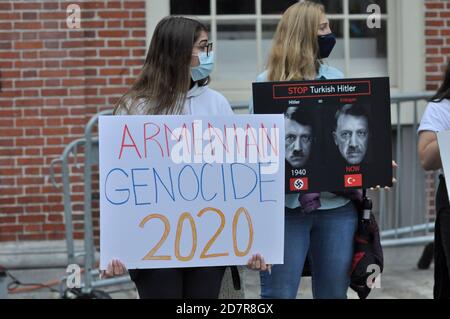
337 132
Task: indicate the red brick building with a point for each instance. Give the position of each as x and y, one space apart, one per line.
53 80
437 41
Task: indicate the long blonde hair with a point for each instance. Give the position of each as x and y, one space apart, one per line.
295 49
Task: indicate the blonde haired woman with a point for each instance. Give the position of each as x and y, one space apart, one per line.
321 224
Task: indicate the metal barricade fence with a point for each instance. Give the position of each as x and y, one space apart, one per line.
404 212
401 212
90 145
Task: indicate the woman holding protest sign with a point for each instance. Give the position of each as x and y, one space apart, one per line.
437 119
174 80
322 224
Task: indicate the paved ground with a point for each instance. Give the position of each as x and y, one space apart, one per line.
401 280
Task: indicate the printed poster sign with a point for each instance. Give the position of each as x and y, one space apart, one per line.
337 132
444 149
183 191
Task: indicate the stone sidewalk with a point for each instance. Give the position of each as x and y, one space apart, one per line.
401 280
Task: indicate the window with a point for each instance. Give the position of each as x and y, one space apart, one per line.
242 32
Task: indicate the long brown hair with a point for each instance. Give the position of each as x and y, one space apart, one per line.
444 89
162 85
295 49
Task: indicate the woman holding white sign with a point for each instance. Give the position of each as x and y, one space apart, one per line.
322 224
437 119
174 81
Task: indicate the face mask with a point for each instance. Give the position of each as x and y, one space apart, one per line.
326 45
204 69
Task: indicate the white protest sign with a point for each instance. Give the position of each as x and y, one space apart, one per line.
444 149
184 191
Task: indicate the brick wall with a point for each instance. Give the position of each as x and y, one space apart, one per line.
437 38
53 79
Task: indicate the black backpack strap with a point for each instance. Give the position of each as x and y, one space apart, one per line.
236 277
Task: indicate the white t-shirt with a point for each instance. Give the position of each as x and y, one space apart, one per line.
199 101
436 117
205 101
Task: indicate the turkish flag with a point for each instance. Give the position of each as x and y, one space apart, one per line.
353 180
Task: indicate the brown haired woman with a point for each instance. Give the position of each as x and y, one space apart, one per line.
437 119
174 80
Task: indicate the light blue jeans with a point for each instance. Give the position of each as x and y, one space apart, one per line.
328 235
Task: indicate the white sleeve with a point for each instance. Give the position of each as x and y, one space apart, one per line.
261 78
433 118
250 107
225 106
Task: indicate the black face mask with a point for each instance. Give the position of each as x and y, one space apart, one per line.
326 45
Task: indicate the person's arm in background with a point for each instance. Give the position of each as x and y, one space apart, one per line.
261 78
250 107
429 154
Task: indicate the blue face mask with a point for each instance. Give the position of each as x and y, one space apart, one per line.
204 69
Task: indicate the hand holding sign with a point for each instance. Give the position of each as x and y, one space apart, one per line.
394 180
115 268
257 262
